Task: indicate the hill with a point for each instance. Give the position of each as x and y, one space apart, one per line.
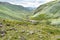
15 12
51 9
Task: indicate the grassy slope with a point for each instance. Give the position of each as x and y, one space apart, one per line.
48 10
28 32
13 11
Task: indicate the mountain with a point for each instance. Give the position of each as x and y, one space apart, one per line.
31 8
48 10
16 12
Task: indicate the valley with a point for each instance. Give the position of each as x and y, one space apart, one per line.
21 23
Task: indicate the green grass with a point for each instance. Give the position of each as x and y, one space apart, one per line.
15 12
51 9
22 31
48 12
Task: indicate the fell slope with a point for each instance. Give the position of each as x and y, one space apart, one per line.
49 10
16 12
14 30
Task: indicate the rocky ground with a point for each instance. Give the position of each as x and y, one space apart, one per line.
10 30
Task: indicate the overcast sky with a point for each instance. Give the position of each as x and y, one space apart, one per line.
27 3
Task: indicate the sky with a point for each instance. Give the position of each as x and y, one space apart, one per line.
27 3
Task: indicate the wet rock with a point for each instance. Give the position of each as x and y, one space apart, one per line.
16 31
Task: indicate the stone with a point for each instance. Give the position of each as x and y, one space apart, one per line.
2 33
8 24
22 38
1 25
13 29
31 32
22 31
34 22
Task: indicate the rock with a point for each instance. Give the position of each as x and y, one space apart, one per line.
8 24
31 32
12 29
22 38
22 31
1 25
34 22
2 33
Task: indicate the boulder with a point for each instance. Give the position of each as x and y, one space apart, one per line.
1 25
22 38
2 33
34 22
23 31
7 24
31 32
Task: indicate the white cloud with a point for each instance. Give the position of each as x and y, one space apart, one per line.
31 3
28 3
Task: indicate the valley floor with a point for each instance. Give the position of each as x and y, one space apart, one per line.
10 30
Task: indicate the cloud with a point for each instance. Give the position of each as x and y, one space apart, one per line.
27 3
